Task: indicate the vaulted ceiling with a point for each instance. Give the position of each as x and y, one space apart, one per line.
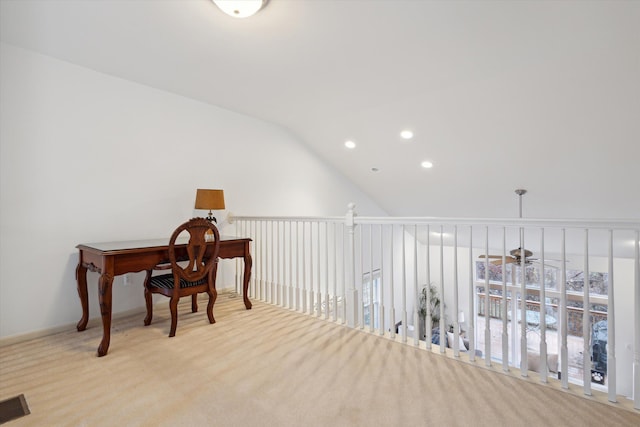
541 95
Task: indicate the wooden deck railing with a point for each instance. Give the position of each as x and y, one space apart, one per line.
575 315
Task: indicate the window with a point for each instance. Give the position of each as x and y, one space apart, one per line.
598 283
371 288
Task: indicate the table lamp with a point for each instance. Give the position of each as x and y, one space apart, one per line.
209 200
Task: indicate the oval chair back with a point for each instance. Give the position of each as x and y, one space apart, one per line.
200 254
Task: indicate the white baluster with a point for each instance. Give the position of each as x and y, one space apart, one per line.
427 319
611 329
544 369
291 278
524 365
311 264
335 272
416 295
392 314
405 326
352 297
471 318
273 265
636 328
503 314
564 319
304 295
487 301
371 306
586 320
443 332
456 324
381 306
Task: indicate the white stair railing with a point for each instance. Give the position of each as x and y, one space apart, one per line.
370 272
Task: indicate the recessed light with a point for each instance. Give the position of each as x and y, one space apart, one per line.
426 164
406 134
350 144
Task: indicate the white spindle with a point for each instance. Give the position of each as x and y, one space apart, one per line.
564 313
291 279
351 297
405 327
524 365
304 296
456 324
636 325
263 264
471 317
487 301
344 272
381 291
544 369
326 271
318 272
335 272
611 328
278 265
586 319
416 295
273 263
299 266
443 331
392 314
503 314
427 319
237 230
371 308
255 277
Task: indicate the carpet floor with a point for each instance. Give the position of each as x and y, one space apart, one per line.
271 366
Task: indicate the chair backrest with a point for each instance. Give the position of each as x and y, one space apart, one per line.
201 251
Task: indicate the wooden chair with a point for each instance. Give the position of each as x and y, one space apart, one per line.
198 276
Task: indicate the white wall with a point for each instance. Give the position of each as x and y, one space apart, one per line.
86 157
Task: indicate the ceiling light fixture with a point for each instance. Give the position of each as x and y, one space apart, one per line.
406 134
240 8
426 164
350 144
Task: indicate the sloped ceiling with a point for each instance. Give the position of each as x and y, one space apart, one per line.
540 95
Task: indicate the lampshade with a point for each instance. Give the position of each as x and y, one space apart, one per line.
240 8
209 199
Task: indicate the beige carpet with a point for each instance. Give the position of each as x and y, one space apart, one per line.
270 367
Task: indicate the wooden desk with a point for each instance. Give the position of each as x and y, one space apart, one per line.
115 258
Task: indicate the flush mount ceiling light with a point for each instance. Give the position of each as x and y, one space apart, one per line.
426 164
406 134
350 145
240 8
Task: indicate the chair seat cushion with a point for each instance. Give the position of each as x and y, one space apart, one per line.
165 281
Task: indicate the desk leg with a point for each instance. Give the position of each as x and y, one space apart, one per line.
81 278
247 275
104 289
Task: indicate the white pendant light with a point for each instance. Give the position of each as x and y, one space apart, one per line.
240 8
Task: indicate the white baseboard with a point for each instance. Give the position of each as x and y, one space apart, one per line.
93 322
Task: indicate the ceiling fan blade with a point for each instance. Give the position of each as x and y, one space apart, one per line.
508 260
545 265
490 256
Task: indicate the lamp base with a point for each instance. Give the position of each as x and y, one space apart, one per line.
211 218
